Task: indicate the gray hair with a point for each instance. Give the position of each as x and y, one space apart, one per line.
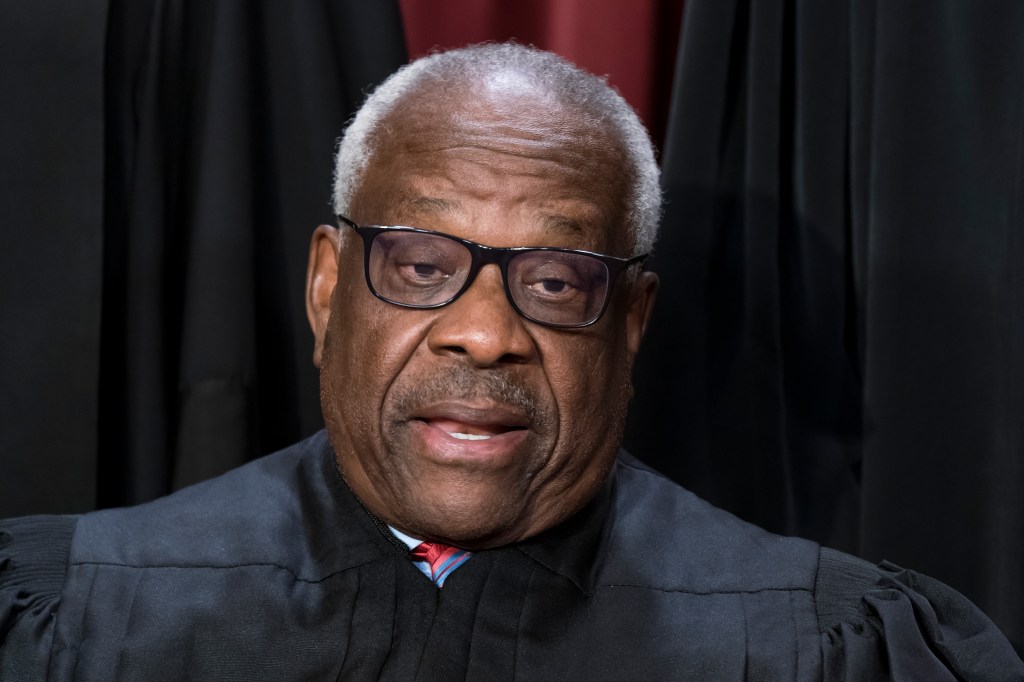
568 84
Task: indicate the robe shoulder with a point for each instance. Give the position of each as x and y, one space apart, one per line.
874 621
688 545
280 510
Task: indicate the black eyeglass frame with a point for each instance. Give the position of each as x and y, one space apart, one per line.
482 255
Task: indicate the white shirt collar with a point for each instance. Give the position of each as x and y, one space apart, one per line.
410 541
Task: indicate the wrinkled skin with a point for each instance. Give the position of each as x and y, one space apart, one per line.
396 383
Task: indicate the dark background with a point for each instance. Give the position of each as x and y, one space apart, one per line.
838 346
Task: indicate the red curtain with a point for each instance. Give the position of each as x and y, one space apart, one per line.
632 42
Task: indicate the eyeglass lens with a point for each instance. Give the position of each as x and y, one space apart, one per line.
424 270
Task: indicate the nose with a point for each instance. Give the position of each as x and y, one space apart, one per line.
482 326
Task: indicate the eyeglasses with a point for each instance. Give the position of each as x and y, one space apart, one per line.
417 268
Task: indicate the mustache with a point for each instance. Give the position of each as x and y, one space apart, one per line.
459 382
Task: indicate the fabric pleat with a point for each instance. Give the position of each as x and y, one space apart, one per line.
162 172
841 313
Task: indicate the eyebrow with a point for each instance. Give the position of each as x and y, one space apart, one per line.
434 204
561 223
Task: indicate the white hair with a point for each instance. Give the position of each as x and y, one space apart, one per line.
567 84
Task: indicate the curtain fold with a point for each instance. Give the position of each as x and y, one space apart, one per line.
197 162
225 122
51 246
841 258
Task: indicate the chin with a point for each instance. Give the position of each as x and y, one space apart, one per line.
470 521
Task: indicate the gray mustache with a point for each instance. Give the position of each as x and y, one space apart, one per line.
459 382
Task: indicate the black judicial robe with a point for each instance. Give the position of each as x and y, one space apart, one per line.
274 571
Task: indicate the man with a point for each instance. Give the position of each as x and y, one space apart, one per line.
468 513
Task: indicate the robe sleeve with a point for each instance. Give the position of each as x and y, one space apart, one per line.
884 622
33 563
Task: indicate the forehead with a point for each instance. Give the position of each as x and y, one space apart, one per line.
508 150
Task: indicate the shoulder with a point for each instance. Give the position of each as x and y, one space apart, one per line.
873 621
256 513
209 522
288 514
690 545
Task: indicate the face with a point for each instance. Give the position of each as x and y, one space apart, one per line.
469 424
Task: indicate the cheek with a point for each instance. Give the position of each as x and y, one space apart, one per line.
587 380
370 342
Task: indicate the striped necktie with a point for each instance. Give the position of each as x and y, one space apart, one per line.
443 559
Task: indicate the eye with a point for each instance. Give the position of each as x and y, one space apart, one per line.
425 270
552 280
421 261
416 268
422 272
557 286
553 286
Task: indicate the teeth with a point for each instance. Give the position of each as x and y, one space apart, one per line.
469 436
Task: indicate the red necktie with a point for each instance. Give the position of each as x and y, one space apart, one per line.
443 559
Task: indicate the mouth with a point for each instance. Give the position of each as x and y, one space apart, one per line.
470 431
458 431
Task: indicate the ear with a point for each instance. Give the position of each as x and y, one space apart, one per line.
321 278
641 303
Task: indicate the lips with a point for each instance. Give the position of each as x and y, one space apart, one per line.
468 431
483 419
456 431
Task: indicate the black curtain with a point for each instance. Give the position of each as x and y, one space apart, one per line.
842 310
162 166
51 216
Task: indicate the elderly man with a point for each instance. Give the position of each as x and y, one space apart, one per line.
468 513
